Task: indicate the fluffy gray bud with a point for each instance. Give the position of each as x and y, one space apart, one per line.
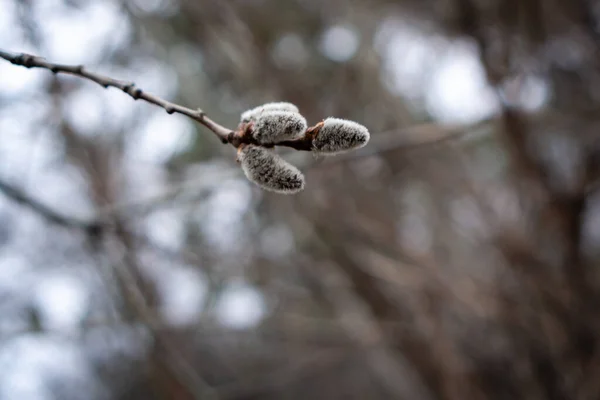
277 126
269 171
340 135
254 113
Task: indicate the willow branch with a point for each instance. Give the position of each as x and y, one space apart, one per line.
31 61
225 135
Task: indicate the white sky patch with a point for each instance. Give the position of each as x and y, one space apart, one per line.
277 241
19 81
24 139
94 110
183 294
187 58
166 227
53 185
290 51
144 181
458 91
30 362
107 344
62 300
529 93
14 270
16 385
534 93
152 76
85 110
444 75
223 213
409 55
162 137
240 306
10 31
340 42
80 35
119 107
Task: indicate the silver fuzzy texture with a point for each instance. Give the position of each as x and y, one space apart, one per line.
269 171
277 126
254 113
340 135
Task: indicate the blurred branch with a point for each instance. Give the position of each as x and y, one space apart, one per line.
166 354
261 385
197 387
409 138
12 192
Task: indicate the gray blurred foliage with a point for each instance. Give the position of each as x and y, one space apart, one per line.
437 264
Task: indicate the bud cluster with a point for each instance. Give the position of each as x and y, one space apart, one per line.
266 126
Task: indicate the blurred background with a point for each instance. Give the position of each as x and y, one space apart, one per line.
455 257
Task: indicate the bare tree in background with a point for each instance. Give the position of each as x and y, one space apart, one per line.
454 257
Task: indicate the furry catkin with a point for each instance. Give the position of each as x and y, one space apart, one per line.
254 113
269 171
340 135
277 126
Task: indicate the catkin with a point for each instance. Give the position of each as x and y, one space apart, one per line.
254 113
269 171
277 126
340 135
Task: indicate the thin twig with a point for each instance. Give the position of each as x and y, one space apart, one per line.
31 61
225 135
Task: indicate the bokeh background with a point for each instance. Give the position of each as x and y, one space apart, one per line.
455 257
